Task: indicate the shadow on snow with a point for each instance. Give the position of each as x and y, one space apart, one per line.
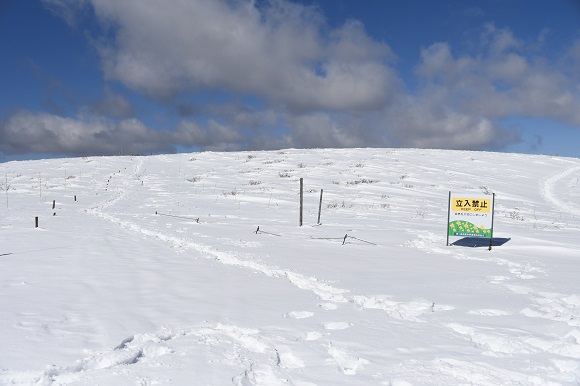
480 242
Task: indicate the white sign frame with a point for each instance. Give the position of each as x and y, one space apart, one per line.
470 215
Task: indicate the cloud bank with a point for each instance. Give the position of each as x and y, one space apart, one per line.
312 85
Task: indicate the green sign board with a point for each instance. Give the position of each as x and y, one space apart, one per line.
470 215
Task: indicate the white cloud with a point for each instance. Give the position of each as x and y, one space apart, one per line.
510 68
280 51
435 60
27 132
499 40
191 133
426 124
321 130
498 83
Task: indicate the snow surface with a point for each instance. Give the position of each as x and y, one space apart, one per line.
156 274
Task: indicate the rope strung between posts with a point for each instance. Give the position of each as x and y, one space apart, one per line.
268 233
259 231
321 238
342 238
356 238
172 215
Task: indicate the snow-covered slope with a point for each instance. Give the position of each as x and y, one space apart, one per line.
156 274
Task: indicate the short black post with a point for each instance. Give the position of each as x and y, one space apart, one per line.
36 222
53 203
75 198
344 240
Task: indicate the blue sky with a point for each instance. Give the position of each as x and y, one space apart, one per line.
92 77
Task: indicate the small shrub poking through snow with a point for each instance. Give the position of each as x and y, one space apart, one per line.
362 181
230 193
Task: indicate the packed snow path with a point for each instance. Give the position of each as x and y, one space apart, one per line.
551 184
156 274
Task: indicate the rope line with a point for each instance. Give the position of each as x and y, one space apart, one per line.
172 215
364 241
268 233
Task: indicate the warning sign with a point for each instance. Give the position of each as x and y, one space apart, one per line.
470 215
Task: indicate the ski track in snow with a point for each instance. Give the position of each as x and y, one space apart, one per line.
547 190
548 185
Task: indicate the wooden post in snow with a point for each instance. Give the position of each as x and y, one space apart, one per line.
320 206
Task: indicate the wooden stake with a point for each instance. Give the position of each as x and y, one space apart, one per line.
320 206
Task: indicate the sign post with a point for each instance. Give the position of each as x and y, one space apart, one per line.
301 199
448 215
470 215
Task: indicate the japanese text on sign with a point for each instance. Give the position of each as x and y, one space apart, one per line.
471 205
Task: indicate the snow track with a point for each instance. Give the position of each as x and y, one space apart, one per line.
548 190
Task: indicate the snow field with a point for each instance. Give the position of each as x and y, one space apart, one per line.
155 275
